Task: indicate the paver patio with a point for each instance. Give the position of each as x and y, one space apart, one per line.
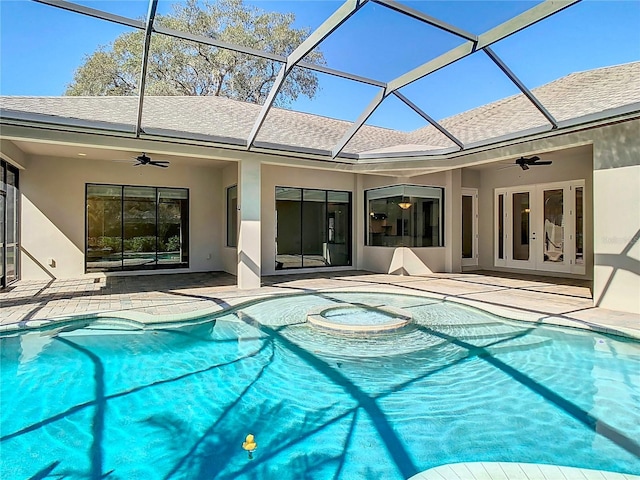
151 299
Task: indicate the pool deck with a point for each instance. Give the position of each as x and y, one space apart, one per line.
156 299
515 471
153 301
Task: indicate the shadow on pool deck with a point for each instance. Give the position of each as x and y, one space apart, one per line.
28 303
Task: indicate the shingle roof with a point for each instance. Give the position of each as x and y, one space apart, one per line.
570 97
312 131
573 96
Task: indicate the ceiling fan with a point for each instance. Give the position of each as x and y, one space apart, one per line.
145 160
525 163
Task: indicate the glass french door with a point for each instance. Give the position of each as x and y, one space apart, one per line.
522 235
541 227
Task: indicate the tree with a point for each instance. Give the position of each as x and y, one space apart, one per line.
180 67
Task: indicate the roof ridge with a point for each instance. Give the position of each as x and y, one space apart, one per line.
590 70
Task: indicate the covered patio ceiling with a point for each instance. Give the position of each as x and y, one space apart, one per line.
524 111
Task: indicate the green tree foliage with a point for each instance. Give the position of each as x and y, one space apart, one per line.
180 67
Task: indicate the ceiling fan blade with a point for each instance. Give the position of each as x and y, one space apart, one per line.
524 166
543 162
535 158
159 164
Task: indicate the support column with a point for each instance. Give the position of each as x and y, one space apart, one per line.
249 240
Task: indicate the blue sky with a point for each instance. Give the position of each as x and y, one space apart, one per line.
42 46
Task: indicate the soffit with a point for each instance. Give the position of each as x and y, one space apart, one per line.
113 155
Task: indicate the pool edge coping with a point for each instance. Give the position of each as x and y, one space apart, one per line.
517 468
150 321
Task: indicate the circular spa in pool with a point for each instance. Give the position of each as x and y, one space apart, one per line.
361 319
106 399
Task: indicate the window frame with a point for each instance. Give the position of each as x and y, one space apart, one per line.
156 265
349 222
228 214
409 191
5 168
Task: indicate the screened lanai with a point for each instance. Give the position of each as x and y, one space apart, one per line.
348 239
359 80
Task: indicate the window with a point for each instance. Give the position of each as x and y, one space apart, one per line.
467 226
9 223
313 228
521 225
579 225
136 228
501 226
232 216
405 216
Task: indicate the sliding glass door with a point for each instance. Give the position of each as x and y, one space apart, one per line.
288 228
136 228
9 223
338 250
139 222
313 228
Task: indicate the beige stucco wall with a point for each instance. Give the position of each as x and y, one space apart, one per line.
53 217
616 202
470 178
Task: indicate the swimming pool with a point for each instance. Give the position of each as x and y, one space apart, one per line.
455 385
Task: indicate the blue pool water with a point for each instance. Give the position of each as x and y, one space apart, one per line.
457 385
